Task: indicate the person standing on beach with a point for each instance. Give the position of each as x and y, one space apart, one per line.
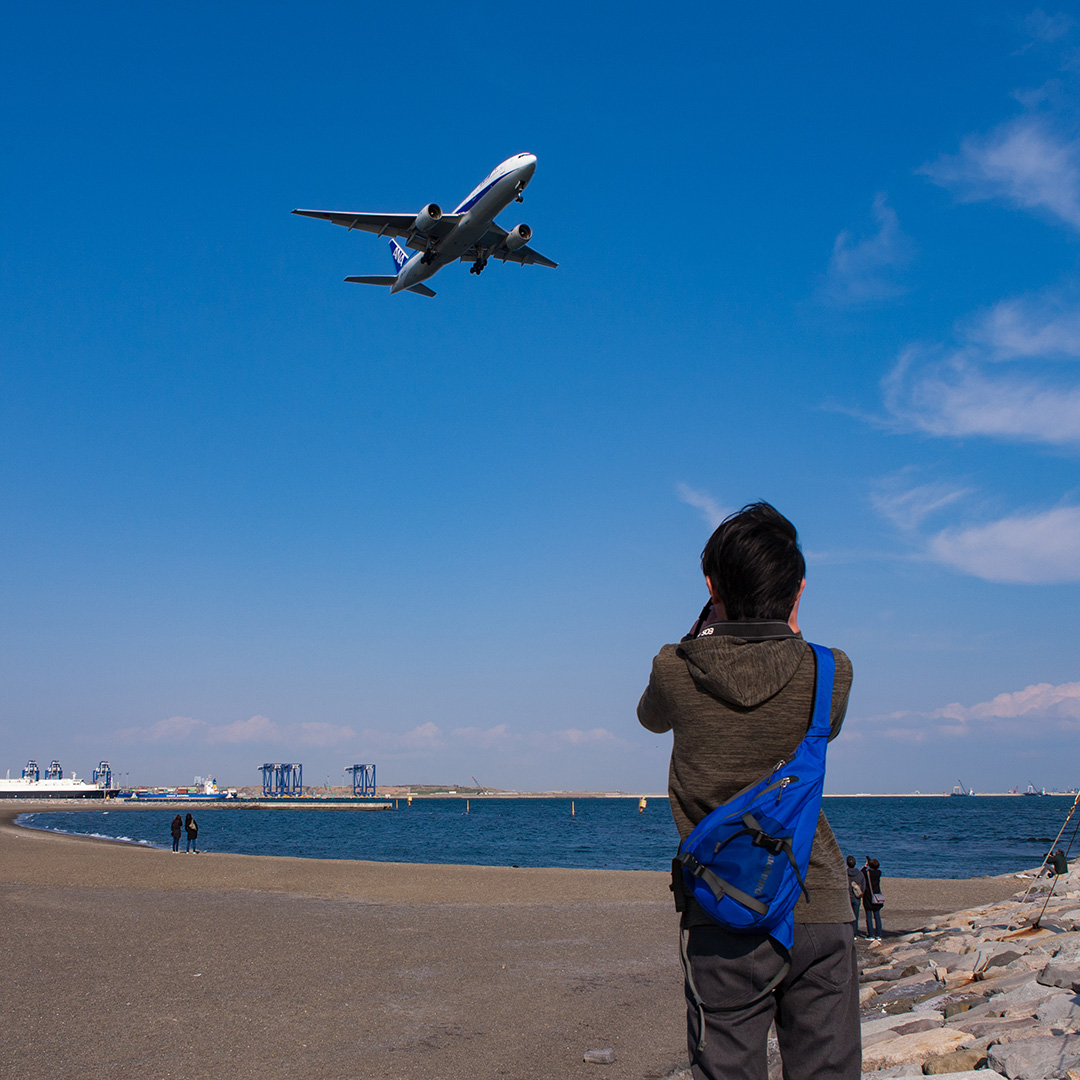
177 828
855 884
737 694
871 897
192 827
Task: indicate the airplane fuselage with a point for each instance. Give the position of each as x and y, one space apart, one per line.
479 209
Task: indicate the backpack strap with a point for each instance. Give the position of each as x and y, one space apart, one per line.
821 719
695 996
777 845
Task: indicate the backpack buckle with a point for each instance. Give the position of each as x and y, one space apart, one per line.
769 843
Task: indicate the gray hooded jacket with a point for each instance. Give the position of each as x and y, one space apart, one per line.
738 701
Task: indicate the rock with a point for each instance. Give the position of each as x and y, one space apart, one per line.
912 1027
867 992
987 951
1062 1010
960 1005
1029 996
1055 974
600 1057
1036 1059
957 1061
981 1074
881 973
890 1023
893 1008
1003 958
914 1048
1005 1030
893 1072
911 985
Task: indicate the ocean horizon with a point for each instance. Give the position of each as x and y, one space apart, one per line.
930 836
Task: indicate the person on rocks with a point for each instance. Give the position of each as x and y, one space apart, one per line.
1056 863
855 886
176 828
872 899
737 695
192 828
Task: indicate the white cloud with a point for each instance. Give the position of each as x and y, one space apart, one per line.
1034 549
1023 162
907 506
578 737
256 729
1061 701
176 729
315 733
1040 327
864 270
490 738
711 510
1040 710
950 394
1048 28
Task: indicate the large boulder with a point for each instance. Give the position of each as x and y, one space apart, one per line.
1036 1059
916 1048
1061 974
956 1062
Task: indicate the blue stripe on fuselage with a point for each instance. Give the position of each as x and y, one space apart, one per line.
470 202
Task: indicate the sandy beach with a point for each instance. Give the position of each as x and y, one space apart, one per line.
132 962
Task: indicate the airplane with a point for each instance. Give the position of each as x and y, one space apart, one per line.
468 234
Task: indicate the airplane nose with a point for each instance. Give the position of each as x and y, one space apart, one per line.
528 163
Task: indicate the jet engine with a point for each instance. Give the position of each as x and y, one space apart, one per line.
427 217
518 237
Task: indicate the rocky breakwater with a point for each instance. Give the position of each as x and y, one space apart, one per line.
983 992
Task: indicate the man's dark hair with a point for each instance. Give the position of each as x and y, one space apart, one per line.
754 563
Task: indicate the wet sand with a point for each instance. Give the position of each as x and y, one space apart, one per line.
135 962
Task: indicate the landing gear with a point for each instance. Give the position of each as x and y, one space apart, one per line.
520 188
478 266
428 257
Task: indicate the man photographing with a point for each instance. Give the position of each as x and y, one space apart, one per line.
737 694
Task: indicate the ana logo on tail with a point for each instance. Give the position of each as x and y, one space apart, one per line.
400 257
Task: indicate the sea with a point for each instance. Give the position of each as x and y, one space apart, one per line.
928 836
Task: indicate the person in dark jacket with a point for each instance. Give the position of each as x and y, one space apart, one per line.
177 828
192 827
855 884
871 873
737 694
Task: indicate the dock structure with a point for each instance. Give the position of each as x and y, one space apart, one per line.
282 778
363 781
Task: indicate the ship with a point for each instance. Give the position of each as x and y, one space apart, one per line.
205 790
55 785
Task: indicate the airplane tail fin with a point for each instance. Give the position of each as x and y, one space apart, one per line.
400 255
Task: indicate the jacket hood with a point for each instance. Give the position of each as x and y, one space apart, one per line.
743 673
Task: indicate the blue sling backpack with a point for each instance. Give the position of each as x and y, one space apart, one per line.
745 863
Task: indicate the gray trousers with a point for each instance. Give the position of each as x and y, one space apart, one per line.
815 1006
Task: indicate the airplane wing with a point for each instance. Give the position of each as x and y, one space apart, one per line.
494 240
383 224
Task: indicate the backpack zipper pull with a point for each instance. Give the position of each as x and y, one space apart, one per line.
783 784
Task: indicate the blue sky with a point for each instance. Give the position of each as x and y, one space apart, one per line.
252 513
